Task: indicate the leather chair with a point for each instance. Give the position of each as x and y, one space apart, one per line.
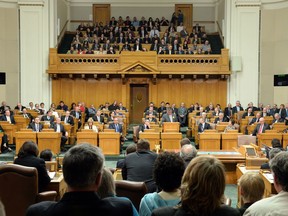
19 189
132 190
135 133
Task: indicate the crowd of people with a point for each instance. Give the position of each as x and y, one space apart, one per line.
130 35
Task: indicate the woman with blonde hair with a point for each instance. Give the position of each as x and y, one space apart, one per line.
90 125
202 190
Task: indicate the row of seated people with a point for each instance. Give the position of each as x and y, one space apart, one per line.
111 46
167 171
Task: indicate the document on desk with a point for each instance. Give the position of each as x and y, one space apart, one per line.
269 176
51 174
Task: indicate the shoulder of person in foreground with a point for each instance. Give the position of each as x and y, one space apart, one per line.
39 208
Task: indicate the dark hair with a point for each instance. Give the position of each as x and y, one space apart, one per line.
131 148
143 144
279 166
81 165
184 141
46 155
28 148
276 143
232 121
168 171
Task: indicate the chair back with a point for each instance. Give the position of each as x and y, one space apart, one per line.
132 190
19 187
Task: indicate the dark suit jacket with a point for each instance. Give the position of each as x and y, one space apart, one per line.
69 121
167 52
73 113
39 164
265 127
223 210
246 114
33 126
62 129
223 120
234 109
17 108
138 166
142 127
85 203
265 166
135 47
65 107
113 126
44 118
11 117
206 126
282 114
254 120
227 112
95 118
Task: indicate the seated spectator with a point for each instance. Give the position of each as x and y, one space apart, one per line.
199 194
252 189
130 149
187 153
71 51
272 153
206 46
275 205
27 156
138 166
35 125
146 39
146 125
83 182
135 22
58 127
164 21
46 155
4 142
168 172
91 126
203 125
230 126
108 189
62 106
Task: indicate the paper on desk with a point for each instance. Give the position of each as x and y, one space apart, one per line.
269 176
51 174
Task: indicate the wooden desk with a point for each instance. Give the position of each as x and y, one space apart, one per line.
152 137
280 127
70 129
230 159
229 140
285 140
23 136
209 141
49 140
87 136
269 183
57 184
109 142
221 127
21 122
266 138
170 140
9 130
171 126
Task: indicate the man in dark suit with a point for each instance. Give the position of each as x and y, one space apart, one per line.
77 114
237 108
228 111
169 116
170 51
62 106
83 182
27 115
67 119
137 46
98 117
261 127
256 119
203 126
121 107
8 117
144 126
151 118
36 126
19 107
220 118
116 126
138 166
4 107
250 105
248 113
4 143
113 106
58 127
48 117
282 112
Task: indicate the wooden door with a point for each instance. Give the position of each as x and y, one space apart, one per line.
139 96
101 13
187 10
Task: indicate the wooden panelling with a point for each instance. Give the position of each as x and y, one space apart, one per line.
99 91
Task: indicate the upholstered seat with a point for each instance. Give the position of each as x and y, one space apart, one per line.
19 189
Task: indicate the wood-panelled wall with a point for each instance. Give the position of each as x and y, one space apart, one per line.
96 92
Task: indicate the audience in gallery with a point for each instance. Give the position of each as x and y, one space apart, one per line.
168 171
95 38
251 188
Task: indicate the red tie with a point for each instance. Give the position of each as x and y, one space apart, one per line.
260 129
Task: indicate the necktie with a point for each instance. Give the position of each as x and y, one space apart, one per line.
171 119
77 115
116 128
37 128
66 120
260 129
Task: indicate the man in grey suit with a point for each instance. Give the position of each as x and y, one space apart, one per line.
169 116
261 127
182 114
